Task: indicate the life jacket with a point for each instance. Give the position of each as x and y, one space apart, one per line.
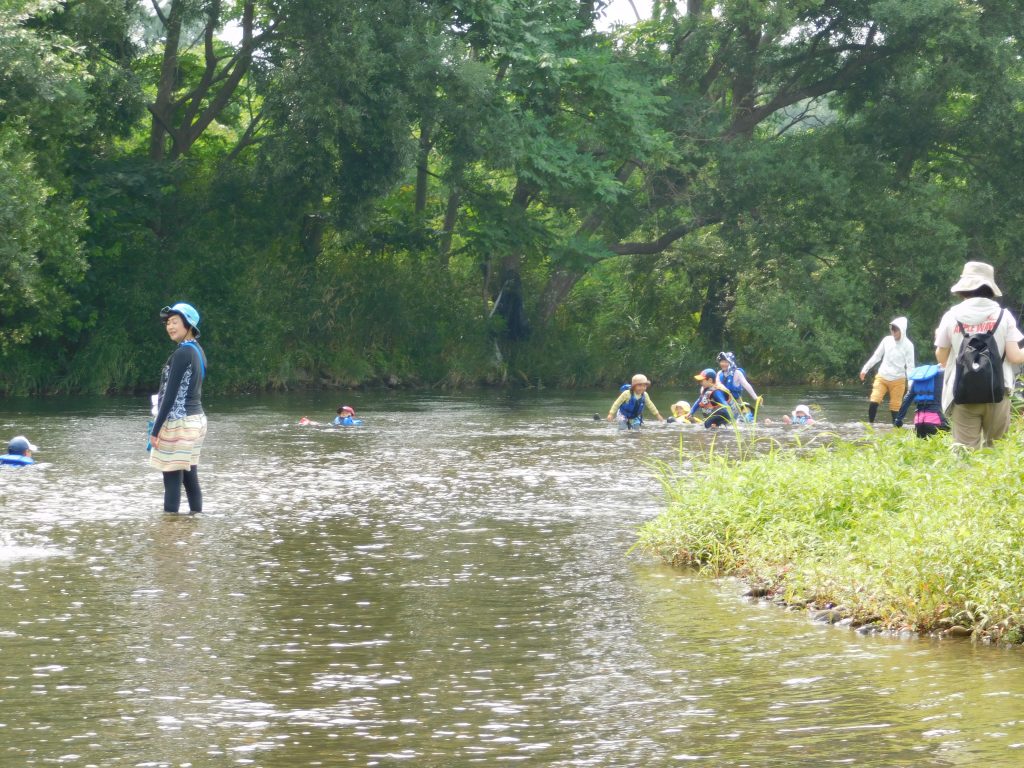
926 382
706 400
727 381
16 460
633 409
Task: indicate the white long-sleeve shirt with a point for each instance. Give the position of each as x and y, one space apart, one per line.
896 358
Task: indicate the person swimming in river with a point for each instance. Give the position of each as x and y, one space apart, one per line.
629 407
714 402
801 416
19 452
346 417
681 413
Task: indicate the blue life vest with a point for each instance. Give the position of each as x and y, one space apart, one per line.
633 408
924 380
16 460
348 421
726 377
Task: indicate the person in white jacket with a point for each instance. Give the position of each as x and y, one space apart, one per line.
895 359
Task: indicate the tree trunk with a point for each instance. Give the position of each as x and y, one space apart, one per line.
422 166
715 310
162 108
186 118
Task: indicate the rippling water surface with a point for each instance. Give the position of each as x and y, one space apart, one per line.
449 584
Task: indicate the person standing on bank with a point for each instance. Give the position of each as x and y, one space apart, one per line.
895 356
180 424
976 424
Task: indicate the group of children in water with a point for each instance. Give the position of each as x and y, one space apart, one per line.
720 400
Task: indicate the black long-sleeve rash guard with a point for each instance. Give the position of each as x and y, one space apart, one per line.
181 385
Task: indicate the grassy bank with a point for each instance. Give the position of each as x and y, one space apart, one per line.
896 531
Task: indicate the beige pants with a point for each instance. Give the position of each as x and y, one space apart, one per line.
980 424
895 389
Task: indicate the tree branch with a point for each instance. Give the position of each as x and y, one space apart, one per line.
669 237
744 123
159 13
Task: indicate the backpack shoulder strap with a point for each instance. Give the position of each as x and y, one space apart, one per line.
999 319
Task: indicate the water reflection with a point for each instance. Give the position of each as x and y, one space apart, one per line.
447 585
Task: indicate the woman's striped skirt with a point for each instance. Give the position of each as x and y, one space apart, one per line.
180 443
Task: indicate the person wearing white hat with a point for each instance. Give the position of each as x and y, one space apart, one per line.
801 415
19 452
977 424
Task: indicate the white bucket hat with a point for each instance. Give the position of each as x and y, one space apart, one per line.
975 275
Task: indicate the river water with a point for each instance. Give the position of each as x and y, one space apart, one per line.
449 584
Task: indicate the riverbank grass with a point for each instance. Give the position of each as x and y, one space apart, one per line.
893 531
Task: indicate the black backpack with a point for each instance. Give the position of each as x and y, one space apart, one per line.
979 367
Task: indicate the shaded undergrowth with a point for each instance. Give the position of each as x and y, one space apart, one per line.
894 531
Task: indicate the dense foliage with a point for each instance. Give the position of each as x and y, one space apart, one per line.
480 191
898 532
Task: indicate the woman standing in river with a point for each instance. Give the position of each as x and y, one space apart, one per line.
180 424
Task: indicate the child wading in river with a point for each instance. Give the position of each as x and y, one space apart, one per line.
629 407
925 393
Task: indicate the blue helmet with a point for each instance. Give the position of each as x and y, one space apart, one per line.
187 313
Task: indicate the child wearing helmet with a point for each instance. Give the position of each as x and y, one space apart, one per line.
714 401
346 417
630 404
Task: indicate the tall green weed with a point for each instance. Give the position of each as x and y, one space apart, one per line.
900 531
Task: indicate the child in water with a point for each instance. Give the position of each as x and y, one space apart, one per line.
681 412
346 417
19 452
630 404
925 392
801 415
714 402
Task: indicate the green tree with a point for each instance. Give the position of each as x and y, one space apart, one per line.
44 109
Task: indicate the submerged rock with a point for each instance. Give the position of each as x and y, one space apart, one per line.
957 631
